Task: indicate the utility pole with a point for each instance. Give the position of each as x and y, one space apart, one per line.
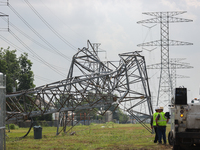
2 111
164 18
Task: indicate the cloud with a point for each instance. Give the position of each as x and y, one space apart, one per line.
193 3
172 5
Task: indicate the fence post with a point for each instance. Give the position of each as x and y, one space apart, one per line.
2 111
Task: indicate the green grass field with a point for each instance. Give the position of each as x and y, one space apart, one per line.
93 137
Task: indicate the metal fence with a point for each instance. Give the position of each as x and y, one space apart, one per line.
2 111
55 123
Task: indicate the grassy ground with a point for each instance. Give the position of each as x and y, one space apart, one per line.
93 137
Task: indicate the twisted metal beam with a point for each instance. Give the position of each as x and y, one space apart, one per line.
90 83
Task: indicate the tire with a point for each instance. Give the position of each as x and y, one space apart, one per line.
176 147
170 138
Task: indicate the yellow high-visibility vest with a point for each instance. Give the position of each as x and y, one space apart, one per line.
154 118
162 121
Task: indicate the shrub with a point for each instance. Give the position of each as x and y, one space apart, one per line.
80 124
13 126
44 124
110 124
92 124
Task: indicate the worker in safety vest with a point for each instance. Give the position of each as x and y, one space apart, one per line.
153 123
161 122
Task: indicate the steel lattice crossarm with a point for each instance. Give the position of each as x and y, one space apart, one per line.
174 76
175 63
90 84
171 13
181 76
165 17
167 43
172 66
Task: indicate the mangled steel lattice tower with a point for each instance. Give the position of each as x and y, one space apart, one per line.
90 84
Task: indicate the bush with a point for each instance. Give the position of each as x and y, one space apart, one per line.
13 126
110 124
92 124
44 124
80 124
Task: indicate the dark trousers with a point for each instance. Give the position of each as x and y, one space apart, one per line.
156 134
161 134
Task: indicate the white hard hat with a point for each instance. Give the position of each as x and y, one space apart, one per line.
162 108
157 107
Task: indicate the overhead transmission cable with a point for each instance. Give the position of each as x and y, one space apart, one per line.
62 20
34 31
30 38
42 78
42 60
32 56
50 27
19 49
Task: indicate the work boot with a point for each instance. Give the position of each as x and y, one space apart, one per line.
159 143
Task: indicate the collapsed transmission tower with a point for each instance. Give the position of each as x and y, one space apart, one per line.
90 84
164 18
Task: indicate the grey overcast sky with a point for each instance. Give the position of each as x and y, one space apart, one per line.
113 23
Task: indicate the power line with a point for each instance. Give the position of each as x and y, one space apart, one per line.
42 60
42 78
50 27
19 49
62 21
36 33
30 38
36 76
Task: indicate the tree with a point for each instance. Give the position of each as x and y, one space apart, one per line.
17 70
26 78
123 118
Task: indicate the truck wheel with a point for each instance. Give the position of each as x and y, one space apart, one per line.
177 147
170 138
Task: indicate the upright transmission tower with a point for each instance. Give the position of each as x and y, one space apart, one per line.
164 18
175 63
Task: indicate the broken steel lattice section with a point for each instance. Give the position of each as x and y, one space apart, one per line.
90 84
